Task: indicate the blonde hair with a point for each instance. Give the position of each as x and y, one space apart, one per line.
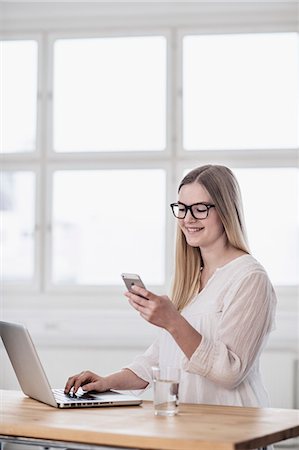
222 186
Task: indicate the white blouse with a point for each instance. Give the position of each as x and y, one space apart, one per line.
234 313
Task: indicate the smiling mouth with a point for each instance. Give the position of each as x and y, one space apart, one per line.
194 230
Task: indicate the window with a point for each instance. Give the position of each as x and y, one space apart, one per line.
106 222
241 91
17 191
18 87
100 121
110 94
271 208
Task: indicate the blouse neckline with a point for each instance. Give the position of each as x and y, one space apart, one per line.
225 266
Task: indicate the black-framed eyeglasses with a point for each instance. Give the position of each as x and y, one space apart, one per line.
197 210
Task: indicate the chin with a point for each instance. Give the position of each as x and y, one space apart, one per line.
193 243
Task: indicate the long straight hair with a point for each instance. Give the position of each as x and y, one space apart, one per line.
223 188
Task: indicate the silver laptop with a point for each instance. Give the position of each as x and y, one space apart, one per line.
34 382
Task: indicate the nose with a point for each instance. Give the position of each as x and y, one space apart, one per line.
189 216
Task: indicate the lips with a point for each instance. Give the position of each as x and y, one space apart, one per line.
194 229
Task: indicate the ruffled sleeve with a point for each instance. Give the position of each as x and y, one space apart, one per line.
142 364
247 318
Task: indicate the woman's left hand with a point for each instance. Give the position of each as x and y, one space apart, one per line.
156 309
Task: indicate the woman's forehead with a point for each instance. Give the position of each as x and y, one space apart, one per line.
193 193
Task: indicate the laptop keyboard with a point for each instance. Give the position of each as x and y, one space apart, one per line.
61 397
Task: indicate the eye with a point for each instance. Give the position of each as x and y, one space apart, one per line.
201 208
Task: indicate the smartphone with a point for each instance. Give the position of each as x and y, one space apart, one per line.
131 279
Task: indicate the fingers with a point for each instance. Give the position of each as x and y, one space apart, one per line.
89 387
69 384
142 292
136 305
137 302
140 295
80 380
144 301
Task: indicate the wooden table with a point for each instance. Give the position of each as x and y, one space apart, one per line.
201 427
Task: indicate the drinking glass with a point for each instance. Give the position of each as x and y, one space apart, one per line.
166 390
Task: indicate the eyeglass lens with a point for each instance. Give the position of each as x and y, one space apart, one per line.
199 211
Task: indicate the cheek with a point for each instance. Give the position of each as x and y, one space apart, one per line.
181 230
219 228
180 224
215 227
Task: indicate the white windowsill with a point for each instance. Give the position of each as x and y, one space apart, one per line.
119 328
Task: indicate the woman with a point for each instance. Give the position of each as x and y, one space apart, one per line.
222 307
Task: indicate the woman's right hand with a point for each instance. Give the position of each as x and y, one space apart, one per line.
88 381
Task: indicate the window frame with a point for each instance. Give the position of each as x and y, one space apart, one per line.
287 292
174 158
104 155
51 287
266 157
